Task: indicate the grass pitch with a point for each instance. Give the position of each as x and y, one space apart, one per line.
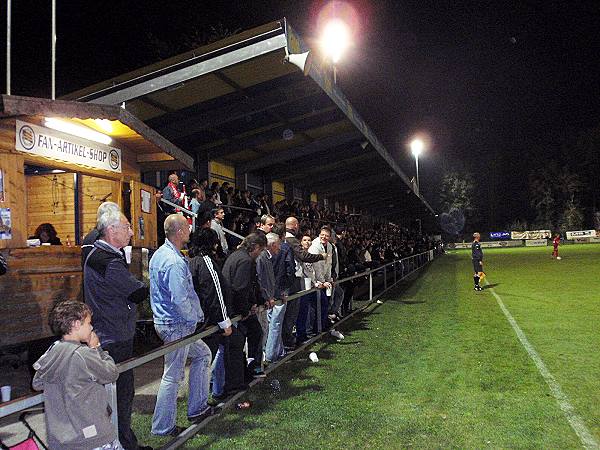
438 366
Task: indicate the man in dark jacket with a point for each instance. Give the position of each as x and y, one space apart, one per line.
112 293
292 227
239 271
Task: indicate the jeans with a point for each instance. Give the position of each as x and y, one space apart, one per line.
274 348
218 372
228 361
303 311
337 299
165 411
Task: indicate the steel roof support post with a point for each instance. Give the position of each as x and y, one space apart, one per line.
241 179
268 185
202 166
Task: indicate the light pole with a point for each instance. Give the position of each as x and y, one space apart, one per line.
335 39
416 147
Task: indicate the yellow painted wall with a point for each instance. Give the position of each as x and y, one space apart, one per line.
278 191
221 172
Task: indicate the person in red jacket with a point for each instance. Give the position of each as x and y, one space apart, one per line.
555 244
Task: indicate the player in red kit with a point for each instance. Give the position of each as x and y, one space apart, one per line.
555 244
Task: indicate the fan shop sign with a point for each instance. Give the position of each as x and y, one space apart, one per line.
42 141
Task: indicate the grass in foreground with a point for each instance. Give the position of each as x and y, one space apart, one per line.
438 366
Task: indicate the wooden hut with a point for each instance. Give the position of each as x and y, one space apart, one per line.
53 169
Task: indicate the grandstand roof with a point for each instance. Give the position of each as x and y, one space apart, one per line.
236 101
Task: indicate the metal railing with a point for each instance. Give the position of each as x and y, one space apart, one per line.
401 269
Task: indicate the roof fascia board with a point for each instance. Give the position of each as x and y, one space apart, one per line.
131 89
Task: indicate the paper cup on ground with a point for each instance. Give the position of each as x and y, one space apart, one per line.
5 393
313 357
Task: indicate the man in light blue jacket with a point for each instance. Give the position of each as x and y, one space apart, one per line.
177 312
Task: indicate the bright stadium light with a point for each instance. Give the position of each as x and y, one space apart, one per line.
335 39
416 147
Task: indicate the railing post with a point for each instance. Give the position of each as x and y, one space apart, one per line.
370 286
111 389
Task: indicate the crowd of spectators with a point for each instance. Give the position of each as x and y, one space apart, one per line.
206 278
369 243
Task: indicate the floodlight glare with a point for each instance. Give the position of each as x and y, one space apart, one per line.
335 39
416 147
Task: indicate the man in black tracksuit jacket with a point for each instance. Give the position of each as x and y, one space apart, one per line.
215 300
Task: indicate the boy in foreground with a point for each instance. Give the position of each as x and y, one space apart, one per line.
72 373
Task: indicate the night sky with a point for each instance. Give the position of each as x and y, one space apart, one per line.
498 86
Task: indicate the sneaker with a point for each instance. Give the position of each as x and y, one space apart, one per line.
478 288
337 334
197 418
259 374
176 431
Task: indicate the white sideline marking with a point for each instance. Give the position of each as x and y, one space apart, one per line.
586 438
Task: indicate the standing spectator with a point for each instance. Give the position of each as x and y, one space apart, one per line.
338 264
323 277
177 312
301 256
266 223
308 301
239 271
171 193
271 320
92 236
223 193
215 299
216 195
72 375
112 293
217 225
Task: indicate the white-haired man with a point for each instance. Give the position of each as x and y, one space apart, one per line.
92 236
272 321
112 293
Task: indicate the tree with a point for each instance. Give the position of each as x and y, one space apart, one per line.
456 192
553 194
456 197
